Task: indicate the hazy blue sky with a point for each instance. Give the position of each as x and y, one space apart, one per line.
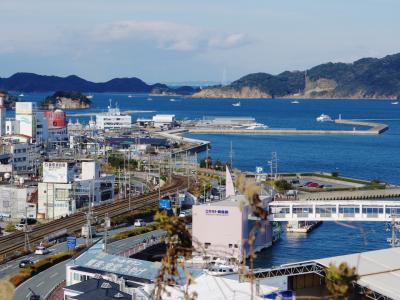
190 40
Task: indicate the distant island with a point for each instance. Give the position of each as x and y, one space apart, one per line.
66 100
367 78
30 82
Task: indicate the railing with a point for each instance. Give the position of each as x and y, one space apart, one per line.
372 215
302 215
325 215
279 215
348 215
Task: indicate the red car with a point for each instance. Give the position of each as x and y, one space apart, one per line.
313 185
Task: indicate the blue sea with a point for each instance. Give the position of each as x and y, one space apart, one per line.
366 157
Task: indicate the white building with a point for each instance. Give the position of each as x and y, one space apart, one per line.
2 116
12 126
17 201
162 121
63 191
24 155
113 120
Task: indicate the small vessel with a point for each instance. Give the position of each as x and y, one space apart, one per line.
21 95
130 96
395 102
172 100
324 118
89 97
237 104
149 99
221 270
295 102
255 126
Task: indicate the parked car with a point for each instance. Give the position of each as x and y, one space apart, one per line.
25 263
40 250
139 223
20 227
182 214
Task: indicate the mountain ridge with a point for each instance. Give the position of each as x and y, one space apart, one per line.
31 82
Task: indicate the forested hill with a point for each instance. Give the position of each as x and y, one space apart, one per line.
365 78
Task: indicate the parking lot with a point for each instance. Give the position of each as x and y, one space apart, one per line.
310 182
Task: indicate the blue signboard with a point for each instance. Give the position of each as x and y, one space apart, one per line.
164 203
286 295
71 242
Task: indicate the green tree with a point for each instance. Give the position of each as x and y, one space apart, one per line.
282 185
339 281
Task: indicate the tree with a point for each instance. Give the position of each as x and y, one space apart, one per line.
339 281
282 185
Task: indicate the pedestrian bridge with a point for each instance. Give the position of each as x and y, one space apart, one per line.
334 210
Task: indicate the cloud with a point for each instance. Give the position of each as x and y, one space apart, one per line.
168 35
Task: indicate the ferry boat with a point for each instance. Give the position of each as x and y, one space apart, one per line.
237 104
395 102
324 118
295 102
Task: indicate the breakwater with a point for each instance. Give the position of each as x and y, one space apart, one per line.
373 129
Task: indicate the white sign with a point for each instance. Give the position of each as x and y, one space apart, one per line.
217 212
56 172
6 168
23 108
259 170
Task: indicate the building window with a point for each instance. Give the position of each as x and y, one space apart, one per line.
236 246
230 245
206 245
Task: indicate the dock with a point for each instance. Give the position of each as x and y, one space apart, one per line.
373 129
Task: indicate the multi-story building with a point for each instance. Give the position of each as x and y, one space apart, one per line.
57 126
68 186
18 201
113 120
12 126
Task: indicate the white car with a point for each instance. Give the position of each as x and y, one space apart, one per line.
40 250
182 214
139 223
20 227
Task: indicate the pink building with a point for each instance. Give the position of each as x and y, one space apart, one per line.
221 229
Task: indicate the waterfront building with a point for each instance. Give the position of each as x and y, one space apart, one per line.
24 114
113 120
164 121
68 186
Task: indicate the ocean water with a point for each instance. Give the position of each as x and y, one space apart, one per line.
366 157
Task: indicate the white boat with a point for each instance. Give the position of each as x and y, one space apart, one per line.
149 99
395 102
295 102
237 104
89 97
172 100
324 118
255 126
221 270
21 95
130 96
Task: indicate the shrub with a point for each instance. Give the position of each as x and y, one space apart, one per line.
19 278
9 227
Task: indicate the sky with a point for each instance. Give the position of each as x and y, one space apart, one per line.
180 41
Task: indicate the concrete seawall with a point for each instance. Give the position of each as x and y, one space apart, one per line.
374 129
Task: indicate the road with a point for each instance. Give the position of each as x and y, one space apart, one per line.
44 282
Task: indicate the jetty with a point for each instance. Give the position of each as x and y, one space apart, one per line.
372 129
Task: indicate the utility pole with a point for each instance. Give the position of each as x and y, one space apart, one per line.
89 220
231 156
107 225
26 232
394 226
